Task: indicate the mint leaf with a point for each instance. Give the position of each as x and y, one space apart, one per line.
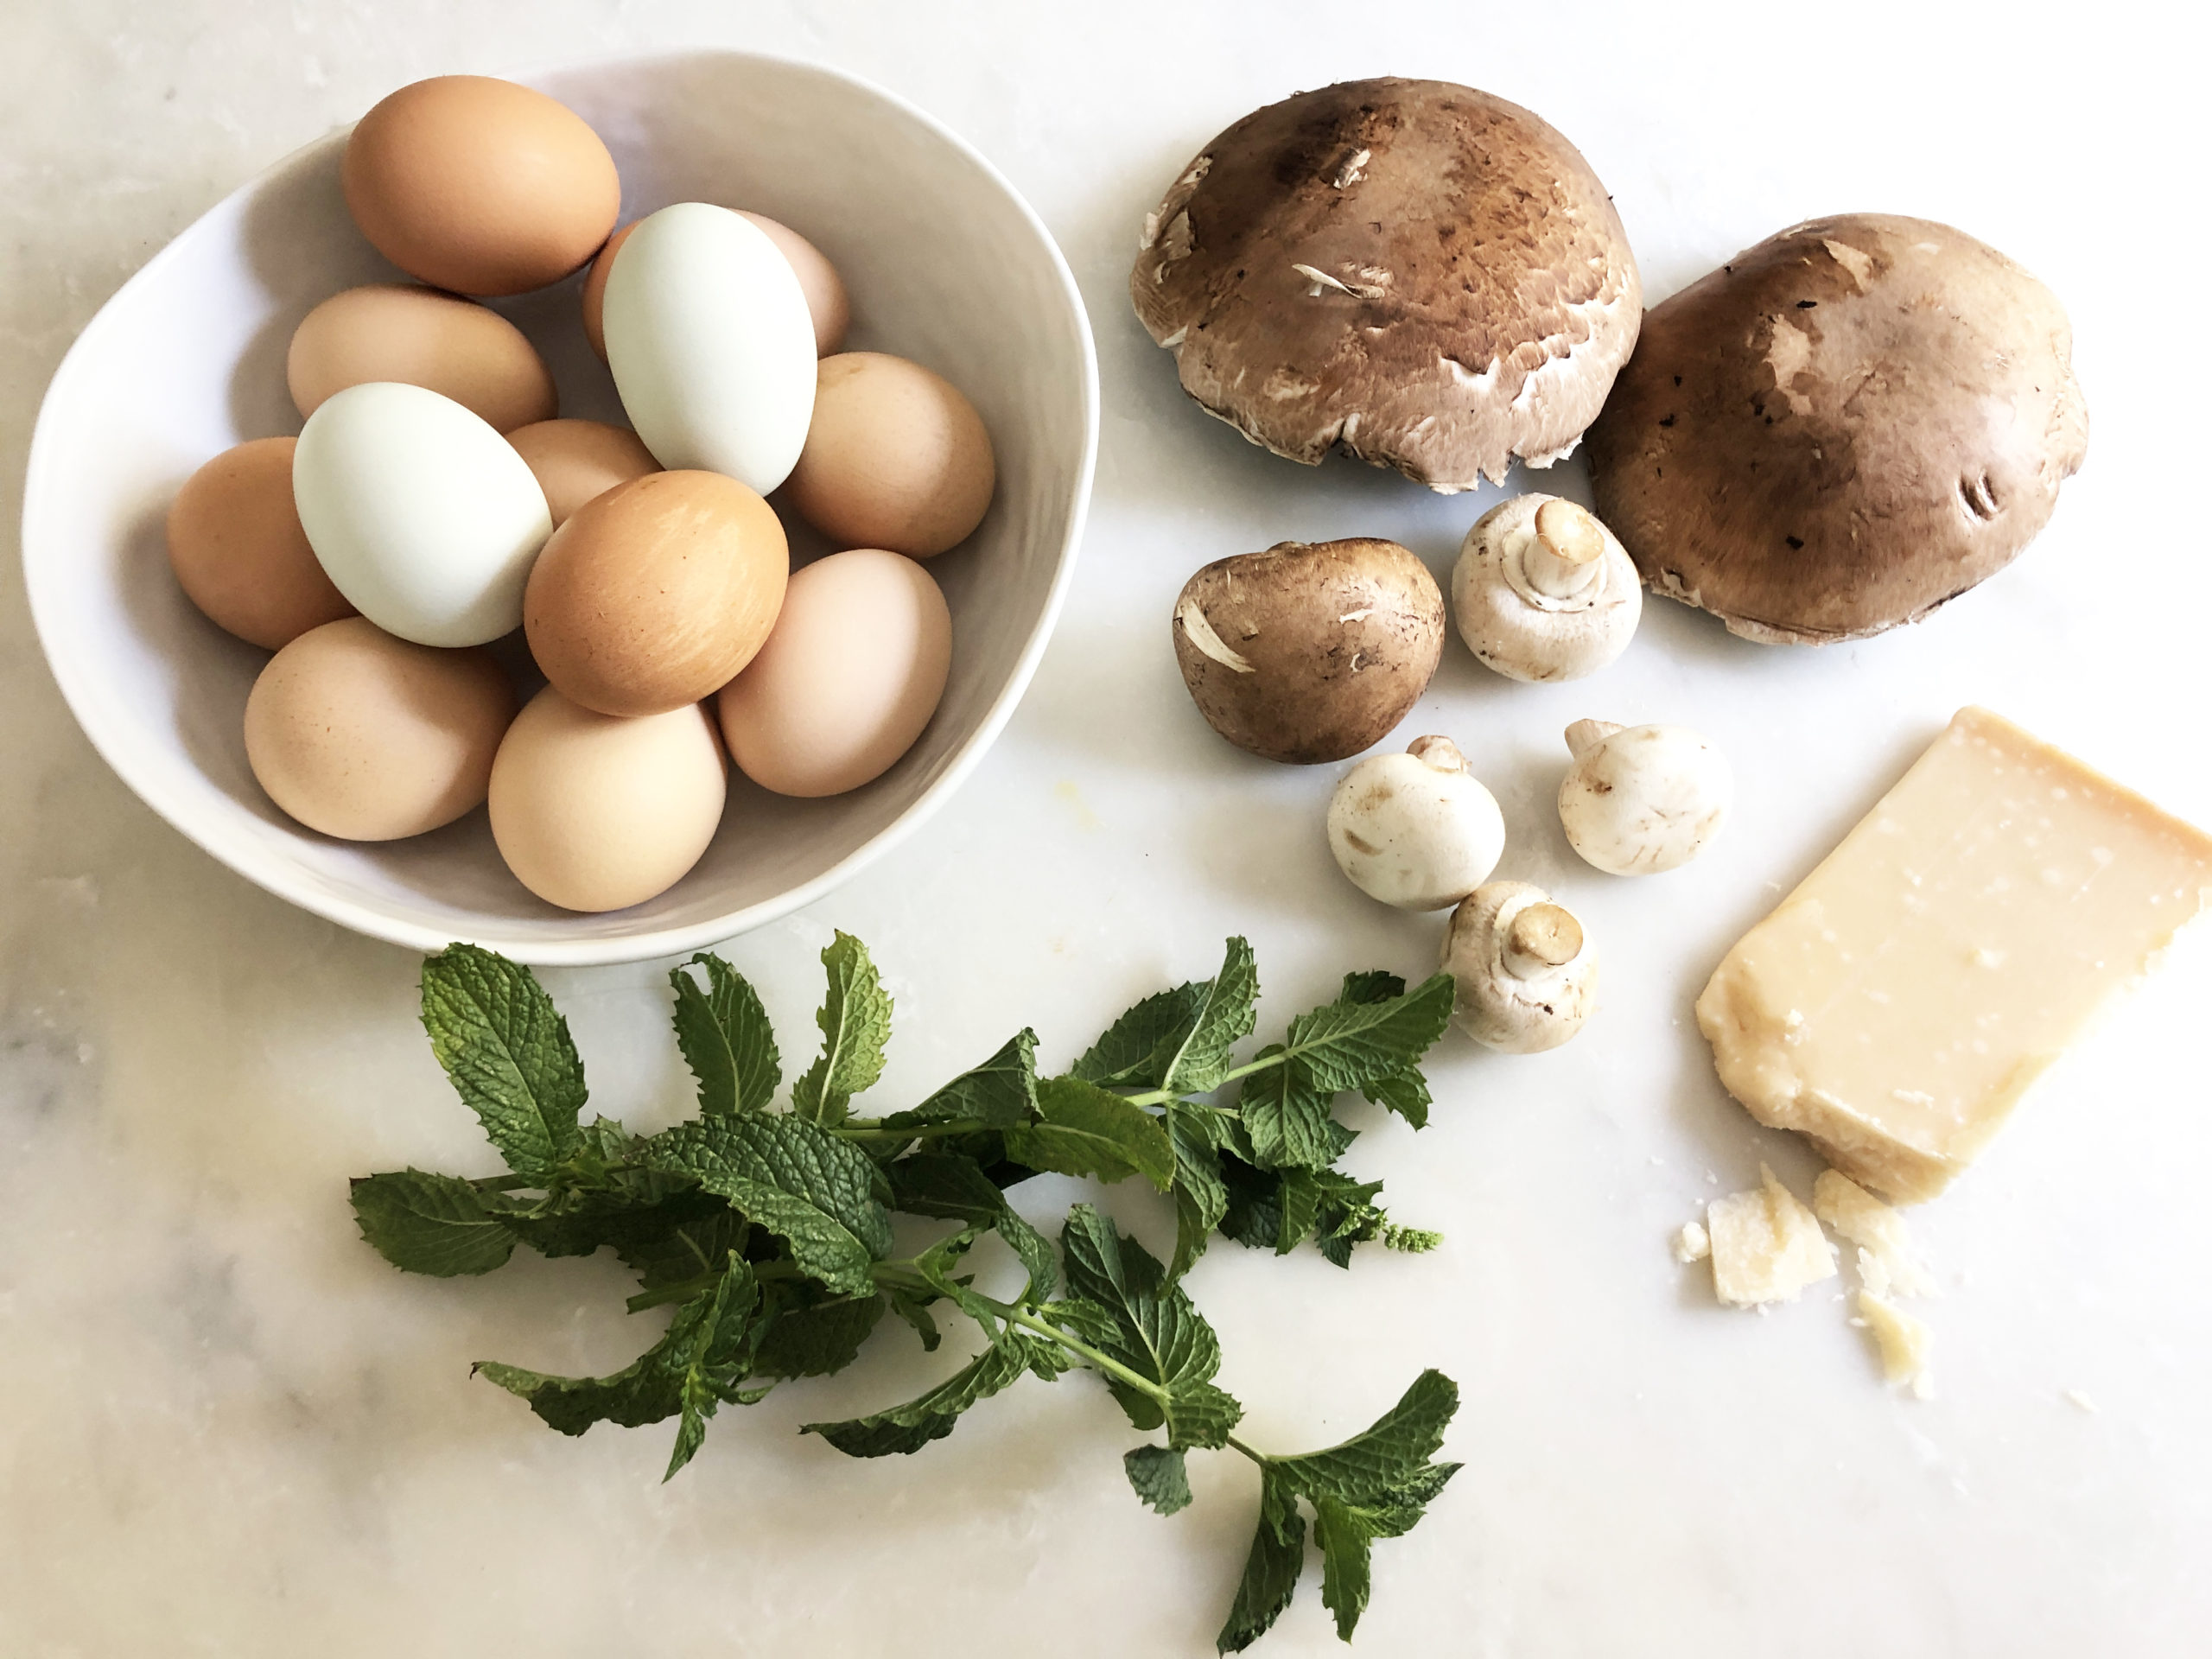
1403 1092
1161 1482
1149 1326
1271 1569
1137 1049
815 1336
999 1093
495 1032
1343 1046
726 1039
687 1237
698 1363
1200 1197
952 1188
1083 1129
1286 1116
856 1022
430 1224
1224 1019
1371 985
1385 1456
803 1184
907 1428
1345 1530
1300 1202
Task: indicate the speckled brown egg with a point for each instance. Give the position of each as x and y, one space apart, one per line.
480 185
369 738
389 331
895 458
655 594
577 462
826 299
239 551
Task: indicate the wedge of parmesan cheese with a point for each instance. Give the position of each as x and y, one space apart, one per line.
1906 1344
1766 1246
1886 1263
1896 1005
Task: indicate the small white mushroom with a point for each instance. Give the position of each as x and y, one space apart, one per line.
1542 591
1524 976
1416 830
1642 800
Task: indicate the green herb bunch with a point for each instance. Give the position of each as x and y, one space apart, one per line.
769 1230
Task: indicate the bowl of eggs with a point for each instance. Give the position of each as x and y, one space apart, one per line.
587 516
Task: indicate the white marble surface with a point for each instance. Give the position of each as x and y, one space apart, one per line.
226 1428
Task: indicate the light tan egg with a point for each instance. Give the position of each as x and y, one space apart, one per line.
655 594
578 461
895 458
369 738
239 554
480 185
419 337
827 302
847 680
592 813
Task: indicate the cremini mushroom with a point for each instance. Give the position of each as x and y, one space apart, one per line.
1416 830
1641 799
1841 428
1543 592
1422 274
1524 976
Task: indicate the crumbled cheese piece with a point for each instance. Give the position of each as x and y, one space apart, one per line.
1766 1246
1886 1264
2074 1396
1905 1343
1691 1244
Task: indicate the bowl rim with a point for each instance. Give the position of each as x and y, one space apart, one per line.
365 917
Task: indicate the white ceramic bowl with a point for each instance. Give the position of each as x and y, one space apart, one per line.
946 264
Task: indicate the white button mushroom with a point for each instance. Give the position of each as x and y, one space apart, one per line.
1416 830
1542 591
1524 977
1643 799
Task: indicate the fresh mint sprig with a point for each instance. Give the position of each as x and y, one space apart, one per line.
769 1231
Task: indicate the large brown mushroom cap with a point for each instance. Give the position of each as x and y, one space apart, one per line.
1841 428
1429 275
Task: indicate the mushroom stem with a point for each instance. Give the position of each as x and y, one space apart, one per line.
1541 939
1440 754
1568 551
1586 735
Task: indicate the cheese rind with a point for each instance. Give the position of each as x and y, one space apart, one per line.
1896 1005
1766 1247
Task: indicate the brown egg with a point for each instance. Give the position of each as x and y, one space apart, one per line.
369 738
847 681
422 338
895 458
578 461
594 813
480 185
238 552
657 592
826 299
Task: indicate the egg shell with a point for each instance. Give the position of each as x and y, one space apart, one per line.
368 738
239 551
424 516
827 302
592 813
895 458
480 185
576 461
655 594
711 345
847 680
389 331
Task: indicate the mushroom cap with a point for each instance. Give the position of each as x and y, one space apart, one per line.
1493 1004
1427 274
1642 800
1841 428
1514 626
1417 830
